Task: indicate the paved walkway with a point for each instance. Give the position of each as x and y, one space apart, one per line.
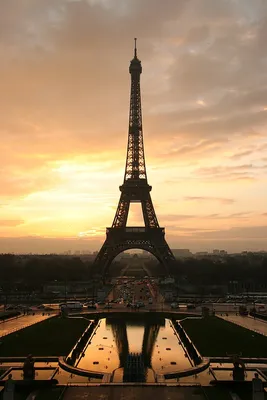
133 393
16 324
255 325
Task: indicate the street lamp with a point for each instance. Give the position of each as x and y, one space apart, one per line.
65 291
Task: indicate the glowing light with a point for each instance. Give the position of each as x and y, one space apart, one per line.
90 232
201 103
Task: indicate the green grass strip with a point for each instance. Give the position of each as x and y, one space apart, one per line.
52 337
216 337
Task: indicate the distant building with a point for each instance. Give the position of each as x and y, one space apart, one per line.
217 252
201 253
67 253
182 253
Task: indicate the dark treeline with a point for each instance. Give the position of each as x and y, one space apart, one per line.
37 270
249 269
218 271
33 271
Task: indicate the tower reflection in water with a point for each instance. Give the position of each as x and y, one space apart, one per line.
135 345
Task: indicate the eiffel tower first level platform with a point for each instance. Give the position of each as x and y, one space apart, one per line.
135 189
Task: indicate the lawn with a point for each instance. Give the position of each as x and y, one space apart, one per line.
53 337
215 337
51 394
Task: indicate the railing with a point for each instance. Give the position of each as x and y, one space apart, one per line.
136 229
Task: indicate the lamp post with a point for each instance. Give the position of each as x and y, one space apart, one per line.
65 291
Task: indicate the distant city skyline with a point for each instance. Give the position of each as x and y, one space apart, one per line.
40 245
64 117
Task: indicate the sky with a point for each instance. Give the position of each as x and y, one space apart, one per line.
64 109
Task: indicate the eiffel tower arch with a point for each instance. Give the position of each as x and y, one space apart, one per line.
135 189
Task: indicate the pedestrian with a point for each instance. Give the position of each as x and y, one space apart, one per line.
9 389
28 368
257 388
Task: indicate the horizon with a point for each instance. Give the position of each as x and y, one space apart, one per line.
23 246
65 112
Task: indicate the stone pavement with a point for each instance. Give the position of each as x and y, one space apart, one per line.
21 322
134 393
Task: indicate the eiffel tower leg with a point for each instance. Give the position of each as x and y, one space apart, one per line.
103 259
164 254
149 214
121 215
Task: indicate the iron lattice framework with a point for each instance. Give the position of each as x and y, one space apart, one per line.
135 188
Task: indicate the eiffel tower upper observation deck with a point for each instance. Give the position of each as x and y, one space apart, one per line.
135 188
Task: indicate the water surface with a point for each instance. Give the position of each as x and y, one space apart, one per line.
153 339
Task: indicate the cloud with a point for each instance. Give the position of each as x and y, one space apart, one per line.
17 183
68 43
199 149
11 222
174 218
236 172
241 154
248 232
75 38
46 245
222 200
92 232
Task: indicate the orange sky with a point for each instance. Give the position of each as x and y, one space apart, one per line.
64 120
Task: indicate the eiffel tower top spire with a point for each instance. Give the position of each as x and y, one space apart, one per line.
135 169
135 65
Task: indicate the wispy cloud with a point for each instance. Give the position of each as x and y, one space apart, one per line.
215 216
11 222
197 149
241 154
237 233
235 172
222 200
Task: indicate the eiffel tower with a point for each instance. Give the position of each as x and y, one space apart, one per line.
135 189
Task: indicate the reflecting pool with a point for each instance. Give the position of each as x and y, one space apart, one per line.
141 344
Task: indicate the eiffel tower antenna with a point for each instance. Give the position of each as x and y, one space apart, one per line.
135 189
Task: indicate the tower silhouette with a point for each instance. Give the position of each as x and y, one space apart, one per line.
135 189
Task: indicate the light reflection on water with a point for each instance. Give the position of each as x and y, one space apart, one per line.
135 338
102 351
116 338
